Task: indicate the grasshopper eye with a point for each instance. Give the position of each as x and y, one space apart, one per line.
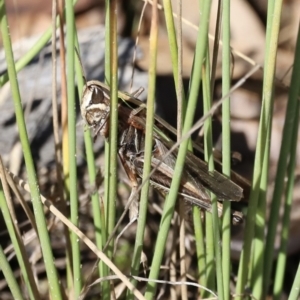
97 95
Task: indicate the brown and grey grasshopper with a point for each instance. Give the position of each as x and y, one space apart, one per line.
196 179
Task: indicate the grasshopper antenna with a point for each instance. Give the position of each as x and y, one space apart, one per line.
81 66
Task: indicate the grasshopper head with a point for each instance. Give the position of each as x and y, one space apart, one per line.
95 107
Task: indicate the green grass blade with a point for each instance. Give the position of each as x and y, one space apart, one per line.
212 232
99 225
226 146
74 201
106 142
173 48
111 11
108 204
113 122
200 249
111 144
17 242
175 57
138 247
209 223
10 276
260 223
257 267
258 242
287 148
282 256
32 180
266 115
171 199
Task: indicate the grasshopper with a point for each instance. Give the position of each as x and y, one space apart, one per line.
196 179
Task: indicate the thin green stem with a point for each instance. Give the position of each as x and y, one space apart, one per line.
173 49
148 145
106 142
32 179
74 202
171 199
291 119
209 223
266 115
226 146
282 256
16 240
113 121
214 231
10 277
92 170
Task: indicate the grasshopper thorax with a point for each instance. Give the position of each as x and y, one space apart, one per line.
95 107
